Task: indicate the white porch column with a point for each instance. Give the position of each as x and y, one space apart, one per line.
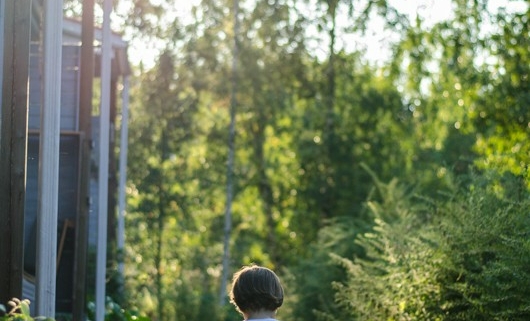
103 175
48 185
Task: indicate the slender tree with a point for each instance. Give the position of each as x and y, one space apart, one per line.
231 152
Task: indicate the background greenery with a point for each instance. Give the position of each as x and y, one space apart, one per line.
390 191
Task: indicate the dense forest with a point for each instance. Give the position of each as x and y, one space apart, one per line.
393 190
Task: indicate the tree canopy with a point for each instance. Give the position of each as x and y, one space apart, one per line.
385 191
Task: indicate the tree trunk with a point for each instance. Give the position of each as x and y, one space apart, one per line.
161 225
230 162
329 126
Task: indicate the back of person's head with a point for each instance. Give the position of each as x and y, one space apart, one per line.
256 288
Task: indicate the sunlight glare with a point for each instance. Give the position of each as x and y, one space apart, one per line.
145 52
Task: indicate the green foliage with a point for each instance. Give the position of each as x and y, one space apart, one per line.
486 241
168 181
462 257
394 277
503 113
404 289
115 312
466 77
19 311
310 282
369 124
453 96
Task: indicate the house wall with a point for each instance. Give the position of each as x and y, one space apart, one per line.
69 88
69 162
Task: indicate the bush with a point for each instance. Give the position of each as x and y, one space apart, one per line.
486 238
19 311
395 279
115 312
464 256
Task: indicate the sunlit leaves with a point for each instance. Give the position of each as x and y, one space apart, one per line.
454 94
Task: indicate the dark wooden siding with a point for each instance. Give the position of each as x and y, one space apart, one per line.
67 210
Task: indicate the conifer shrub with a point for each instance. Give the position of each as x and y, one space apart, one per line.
396 278
485 235
464 256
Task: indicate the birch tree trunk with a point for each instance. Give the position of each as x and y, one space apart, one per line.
230 163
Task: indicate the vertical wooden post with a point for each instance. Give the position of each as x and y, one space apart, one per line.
13 142
113 181
48 183
2 45
85 121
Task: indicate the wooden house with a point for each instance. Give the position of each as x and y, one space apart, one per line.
79 184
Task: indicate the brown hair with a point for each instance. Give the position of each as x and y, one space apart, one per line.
256 288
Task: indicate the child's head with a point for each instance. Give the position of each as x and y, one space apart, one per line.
256 289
